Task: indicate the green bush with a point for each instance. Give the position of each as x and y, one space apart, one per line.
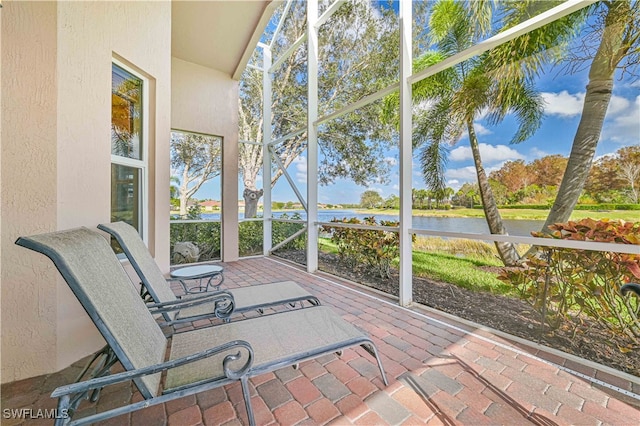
205 235
373 248
280 231
564 284
526 206
251 237
589 207
595 207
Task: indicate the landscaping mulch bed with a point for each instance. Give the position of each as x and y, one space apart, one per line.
508 314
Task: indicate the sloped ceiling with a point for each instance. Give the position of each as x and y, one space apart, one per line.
219 34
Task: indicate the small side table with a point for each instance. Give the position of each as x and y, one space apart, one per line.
200 273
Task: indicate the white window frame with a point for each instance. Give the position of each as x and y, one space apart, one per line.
143 164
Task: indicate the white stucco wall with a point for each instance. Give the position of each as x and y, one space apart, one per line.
56 112
204 100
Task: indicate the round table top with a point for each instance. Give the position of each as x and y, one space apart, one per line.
196 271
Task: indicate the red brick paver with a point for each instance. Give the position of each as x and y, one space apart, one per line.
440 372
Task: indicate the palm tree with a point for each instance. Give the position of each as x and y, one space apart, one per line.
618 27
610 41
454 98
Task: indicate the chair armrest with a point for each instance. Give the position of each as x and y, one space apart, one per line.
222 295
125 376
223 301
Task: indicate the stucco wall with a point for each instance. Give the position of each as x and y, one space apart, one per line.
206 101
28 179
56 104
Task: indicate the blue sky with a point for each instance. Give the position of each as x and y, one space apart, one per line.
563 95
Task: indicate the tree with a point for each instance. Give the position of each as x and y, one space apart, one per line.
371 200
357 49
514 175
630 170
419 198
196 159
616 178
174 190
392 202
466 195
612 42
456 96
631 173
604 183
548 170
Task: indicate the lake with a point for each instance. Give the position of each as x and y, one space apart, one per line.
474 225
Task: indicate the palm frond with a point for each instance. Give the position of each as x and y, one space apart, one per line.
433 162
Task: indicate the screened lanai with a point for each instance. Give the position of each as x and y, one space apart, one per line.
352 119
318 101
391 92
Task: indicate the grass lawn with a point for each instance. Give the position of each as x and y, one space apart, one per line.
459 270
530 214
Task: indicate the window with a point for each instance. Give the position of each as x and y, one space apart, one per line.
128 147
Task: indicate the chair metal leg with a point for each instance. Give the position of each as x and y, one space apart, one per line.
371 348
63 412
244 381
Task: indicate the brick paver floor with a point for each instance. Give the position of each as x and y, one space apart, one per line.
441 371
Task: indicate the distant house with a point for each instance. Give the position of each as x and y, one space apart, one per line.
210 205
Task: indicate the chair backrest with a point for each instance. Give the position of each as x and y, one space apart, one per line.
142 262
96 277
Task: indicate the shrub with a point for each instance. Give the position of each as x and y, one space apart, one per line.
205 235
280 231
250 238
376 249
565 283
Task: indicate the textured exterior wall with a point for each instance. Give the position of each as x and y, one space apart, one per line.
206 101
56 157
28 178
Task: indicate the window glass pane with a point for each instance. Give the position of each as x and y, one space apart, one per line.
125 194
126 114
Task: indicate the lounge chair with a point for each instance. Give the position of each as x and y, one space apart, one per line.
200 359
257 297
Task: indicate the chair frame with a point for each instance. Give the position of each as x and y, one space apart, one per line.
147 288
70 396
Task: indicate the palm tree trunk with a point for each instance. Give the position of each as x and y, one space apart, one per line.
596 101
507 251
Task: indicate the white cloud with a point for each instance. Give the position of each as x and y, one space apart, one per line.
617 104
482 114
622 123
490 154
463 174
454 183
563 104
535 153
300 164
481 130
391 161
396 187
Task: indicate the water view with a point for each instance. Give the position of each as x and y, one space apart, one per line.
474 225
